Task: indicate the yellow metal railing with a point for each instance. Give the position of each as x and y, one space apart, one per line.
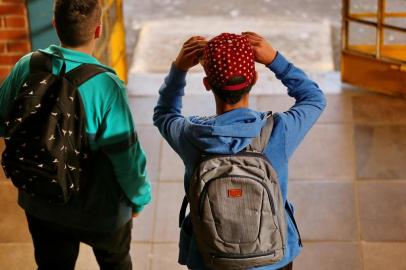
111 48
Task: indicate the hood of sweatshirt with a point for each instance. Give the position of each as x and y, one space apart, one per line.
228 133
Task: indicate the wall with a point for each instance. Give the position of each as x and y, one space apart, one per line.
14 34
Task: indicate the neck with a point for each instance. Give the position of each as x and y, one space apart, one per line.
87 49
222 107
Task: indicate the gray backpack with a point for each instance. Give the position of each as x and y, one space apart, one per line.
236 208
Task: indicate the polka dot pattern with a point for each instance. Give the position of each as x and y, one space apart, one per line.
227 56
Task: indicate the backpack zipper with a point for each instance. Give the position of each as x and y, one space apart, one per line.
241 256
243 153
206 186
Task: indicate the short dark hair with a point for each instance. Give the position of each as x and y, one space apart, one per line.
232 97
76 20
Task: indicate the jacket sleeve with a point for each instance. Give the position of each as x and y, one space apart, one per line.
310 102
168 116
118 139
10 87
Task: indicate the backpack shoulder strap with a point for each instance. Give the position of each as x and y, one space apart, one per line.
84 72
40 62
259 143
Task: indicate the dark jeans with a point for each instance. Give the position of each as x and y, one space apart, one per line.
57 247
287 267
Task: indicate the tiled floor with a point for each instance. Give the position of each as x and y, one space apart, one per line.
347 181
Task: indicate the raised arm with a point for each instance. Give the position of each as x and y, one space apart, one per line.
310 100
168 112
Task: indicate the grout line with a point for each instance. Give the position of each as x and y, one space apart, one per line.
356 198
155 214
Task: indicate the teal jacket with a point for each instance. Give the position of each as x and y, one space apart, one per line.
119 184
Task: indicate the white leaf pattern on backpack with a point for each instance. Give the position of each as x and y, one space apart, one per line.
31 93
54 113
51 139
41 165
44 82
38 106
64 132
55 161
25 85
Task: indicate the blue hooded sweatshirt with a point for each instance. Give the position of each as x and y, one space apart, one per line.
231 132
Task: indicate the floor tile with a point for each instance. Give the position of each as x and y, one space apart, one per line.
379 109
144 224
325 154
324 210
338 110
151 142
170 196
378 256
382 210
13 223
165 256
172 167
380 151
17 257
329 256
141 255
21 257
86 259
142 109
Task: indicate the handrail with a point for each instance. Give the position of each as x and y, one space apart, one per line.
375 24
386 15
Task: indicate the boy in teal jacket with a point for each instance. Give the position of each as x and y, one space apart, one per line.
119 185
230 75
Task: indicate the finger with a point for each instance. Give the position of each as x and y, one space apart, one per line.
195 38
251 34
194 47
255 43
194 55
250 37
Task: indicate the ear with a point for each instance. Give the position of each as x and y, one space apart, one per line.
206 84
53 23
98 31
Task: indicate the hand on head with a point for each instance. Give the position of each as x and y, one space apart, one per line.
190 53
264 52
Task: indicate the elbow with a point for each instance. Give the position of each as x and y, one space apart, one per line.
156 116
323 101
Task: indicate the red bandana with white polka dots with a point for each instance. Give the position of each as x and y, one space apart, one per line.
227 56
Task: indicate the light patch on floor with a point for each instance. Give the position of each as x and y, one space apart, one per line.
307 44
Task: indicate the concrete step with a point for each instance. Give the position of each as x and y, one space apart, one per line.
148 84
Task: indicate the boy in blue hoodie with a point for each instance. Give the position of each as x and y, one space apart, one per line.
230 76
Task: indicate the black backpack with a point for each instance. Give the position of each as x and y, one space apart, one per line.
46 144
